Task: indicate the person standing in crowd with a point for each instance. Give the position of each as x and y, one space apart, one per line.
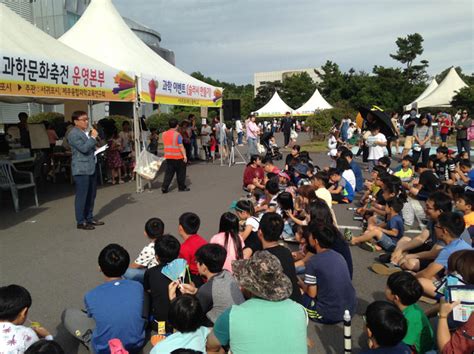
206 131
344 128
153 141
461 135
126 137
409 127
194 145
422 139
23 127
445 124
286 126
394 139
175 156
240 131
376 142
252 134
83 170
185 132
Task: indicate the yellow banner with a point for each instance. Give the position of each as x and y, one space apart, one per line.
41 90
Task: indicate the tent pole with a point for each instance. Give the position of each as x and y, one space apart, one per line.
89 113
136 130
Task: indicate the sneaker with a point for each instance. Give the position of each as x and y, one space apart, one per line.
385 258
385 269
348 235
367 246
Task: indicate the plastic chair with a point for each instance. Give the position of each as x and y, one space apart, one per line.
7 182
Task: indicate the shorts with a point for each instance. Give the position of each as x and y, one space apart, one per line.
444 137
409 142
310 306
387 243
253 242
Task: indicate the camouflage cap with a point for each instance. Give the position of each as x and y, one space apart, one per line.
263 276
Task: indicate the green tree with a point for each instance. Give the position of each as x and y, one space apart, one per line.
409 48
464 99
297 89
265 93
333 81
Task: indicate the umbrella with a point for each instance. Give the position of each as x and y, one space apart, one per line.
377 115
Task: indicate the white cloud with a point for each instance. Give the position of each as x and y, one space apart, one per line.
230 40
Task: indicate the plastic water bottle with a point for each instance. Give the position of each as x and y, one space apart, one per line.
347 332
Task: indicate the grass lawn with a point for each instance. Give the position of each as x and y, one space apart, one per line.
315 146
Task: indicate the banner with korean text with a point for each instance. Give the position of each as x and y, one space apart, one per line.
42 78
162 90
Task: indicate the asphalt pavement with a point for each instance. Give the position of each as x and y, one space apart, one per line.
42 250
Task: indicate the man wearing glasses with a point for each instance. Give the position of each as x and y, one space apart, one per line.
83 145
462 125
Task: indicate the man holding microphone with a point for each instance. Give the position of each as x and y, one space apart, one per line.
83 169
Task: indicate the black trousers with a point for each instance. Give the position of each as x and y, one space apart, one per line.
173 166
286 135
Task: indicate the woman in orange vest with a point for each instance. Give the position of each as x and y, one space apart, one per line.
175 156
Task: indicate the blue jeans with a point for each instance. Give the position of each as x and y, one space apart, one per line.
240 135
252 142
136 274
463 144
86 189
387 243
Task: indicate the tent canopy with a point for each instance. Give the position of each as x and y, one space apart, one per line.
315 103
102 34
431 87
444 93
274 108
38 68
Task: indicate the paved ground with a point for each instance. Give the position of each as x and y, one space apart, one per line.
42 250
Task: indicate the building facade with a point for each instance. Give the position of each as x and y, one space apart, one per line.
262 78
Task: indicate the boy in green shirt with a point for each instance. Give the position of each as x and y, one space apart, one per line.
404 290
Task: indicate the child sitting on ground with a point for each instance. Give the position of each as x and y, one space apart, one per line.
156 283
15 301
229 238
186 316
269 233
386 327
154 228
246 213
405 173
465 204
188 227
404 290
327 285
107 317
386 234
341 190
385 162
221 290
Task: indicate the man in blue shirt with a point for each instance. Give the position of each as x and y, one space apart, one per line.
107 317
348 155
448 229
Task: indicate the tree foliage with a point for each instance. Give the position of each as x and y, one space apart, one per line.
409 48
465 99
321 122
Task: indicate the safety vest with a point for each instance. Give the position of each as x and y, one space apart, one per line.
170 142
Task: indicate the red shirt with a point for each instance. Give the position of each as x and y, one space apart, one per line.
250 173
445 125
188 251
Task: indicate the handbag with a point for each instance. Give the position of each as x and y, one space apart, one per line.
470 132
147 165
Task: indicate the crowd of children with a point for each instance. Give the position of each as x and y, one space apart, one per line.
245 291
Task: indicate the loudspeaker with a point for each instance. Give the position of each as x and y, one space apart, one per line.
231 109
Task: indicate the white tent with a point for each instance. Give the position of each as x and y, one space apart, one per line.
274 108
315 103
431 87
102 34
444 93
38 68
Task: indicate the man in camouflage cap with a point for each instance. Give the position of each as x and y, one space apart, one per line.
262 276
268 322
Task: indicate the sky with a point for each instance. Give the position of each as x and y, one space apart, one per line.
230 40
